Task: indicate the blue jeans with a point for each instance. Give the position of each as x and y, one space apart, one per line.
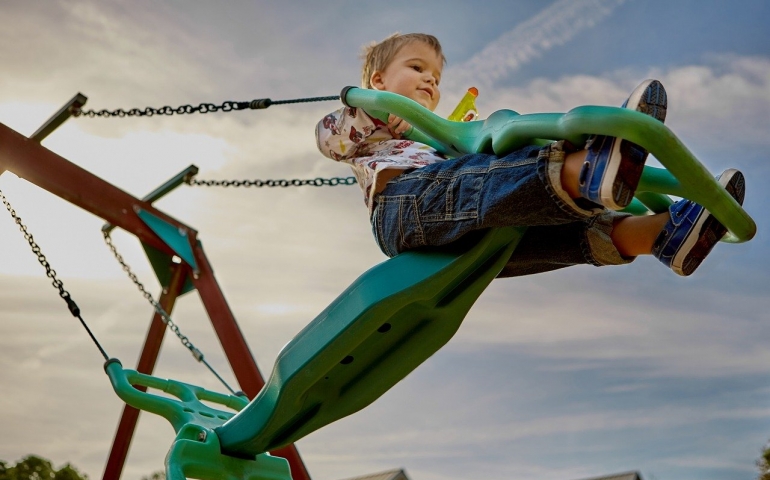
439 203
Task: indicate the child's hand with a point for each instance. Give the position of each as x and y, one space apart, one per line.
397 126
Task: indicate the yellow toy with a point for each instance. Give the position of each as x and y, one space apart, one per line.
466 109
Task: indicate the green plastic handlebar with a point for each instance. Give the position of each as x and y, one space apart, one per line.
506 130
184 408
196 451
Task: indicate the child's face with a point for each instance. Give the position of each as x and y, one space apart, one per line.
414 72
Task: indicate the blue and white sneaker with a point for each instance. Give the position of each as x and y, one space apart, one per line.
613 166
692 231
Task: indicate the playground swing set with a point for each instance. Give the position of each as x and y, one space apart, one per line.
384 325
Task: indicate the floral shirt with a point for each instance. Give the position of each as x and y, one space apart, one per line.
350 135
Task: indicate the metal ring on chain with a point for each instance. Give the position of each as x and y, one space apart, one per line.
228 106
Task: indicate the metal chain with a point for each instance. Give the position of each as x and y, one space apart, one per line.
162 312
75 310
51 273
315 182
147 295
229 106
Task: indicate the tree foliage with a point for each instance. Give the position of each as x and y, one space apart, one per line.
159 475
764 464
33 467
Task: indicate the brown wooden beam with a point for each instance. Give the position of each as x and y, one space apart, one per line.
53 173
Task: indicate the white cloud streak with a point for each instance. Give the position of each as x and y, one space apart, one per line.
555 25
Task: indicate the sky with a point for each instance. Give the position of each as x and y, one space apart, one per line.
559 376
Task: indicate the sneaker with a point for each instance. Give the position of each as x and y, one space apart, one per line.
613 166
692 231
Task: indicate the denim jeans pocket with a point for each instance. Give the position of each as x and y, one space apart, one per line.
453 198
397 224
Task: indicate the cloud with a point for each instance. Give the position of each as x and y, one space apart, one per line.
277 241
668 340
553 26
714 105
121 57
282 255
451 411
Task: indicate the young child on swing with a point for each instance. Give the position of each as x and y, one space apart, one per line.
567 195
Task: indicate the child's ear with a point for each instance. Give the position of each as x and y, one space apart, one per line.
376 81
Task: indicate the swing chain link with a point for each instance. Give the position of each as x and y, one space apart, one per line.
228 106
196 353
75 310
49 271
147 295
315 182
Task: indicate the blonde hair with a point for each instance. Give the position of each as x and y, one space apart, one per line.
378 55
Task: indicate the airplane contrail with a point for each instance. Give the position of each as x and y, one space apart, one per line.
529 40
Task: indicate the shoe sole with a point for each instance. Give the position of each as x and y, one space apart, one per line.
651 99
710 230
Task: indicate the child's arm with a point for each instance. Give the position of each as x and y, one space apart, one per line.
341 134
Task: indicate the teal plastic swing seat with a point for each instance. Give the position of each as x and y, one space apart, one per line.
389 321
400 312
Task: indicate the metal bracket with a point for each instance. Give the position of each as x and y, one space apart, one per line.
182 177
177 238
59 117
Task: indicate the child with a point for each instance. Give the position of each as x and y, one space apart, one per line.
567 196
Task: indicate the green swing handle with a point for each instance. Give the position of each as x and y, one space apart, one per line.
506 130
196 451
186 407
